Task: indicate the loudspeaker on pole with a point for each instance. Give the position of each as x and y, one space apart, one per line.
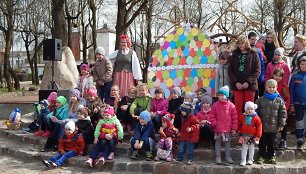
52 50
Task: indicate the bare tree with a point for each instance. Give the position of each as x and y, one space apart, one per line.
59 29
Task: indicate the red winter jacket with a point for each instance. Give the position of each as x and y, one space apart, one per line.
74 142
255 129
192 136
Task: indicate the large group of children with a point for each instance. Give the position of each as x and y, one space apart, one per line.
185 119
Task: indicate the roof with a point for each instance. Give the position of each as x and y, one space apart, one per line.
105 29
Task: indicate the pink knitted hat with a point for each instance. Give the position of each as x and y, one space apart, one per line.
109 111
52 96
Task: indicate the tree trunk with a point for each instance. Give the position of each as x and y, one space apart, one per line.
149 40
121 20
59 27
93 9
36 79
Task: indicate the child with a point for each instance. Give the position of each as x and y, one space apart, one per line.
206 129
54 119
175 102
73 106
189 134
200 93
70 145
272 112
123 113
283 90
222 77
298 100
52 101
167 133
107 133
42 118
141 102
278 63
250 128
143 136
114 98
224 119
84 125
190 97
102 73
93 105
159 106
85 82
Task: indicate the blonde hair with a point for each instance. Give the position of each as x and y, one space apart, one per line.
245 41
142 85
274 39
302 39
271 82
75 106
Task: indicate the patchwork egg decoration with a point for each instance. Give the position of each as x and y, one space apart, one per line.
186 58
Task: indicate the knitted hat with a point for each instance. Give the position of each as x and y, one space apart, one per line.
145 115
75 92
100 50
82 109
169 119
190 95
62 100
85 67
92 92
109 111
70 125
177 91
302 59
261 36
271 82
279 51
44 102
250 104
203 90
224 90
206 99
52 96
187 107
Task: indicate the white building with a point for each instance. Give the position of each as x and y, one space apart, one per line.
106 38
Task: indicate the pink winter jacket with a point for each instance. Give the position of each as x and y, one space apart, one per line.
223 117
271 67
160 106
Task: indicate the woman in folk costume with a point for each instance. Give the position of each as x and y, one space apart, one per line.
126 67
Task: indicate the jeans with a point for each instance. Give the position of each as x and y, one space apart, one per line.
300 113
104 91
59 159
101 146
183 146
148 144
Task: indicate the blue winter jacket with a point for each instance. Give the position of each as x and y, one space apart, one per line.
141 133
298 89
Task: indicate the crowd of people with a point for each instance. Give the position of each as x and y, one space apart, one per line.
257 87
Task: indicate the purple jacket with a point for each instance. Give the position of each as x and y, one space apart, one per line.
223 117
160 106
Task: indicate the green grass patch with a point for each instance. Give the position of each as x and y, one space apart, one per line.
4 90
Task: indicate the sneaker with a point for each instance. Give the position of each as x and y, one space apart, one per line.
229 160
149 156
135 155
100 161
89 162
39 133
242 163
250 162
47 134
189 162
46 163
282 145
177 160
218 160
300 145
156 158
53 164
260 160
111 156
272 160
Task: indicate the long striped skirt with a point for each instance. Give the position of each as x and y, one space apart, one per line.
125 80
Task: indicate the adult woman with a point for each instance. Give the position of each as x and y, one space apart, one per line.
270 46
244 70
300 48
126 66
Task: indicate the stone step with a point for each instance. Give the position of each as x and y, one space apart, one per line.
126 165
123 150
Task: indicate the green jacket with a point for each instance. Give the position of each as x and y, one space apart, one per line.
61 113
111 126
141 102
